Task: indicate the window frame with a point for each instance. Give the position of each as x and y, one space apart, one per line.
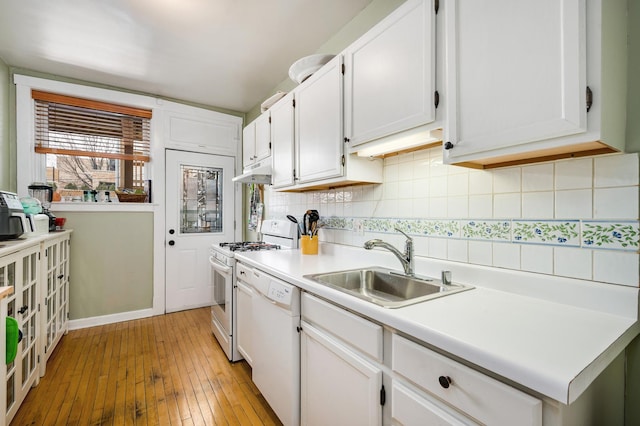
32 165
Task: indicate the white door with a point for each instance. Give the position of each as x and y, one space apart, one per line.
199 213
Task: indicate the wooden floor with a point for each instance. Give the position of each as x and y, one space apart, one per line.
165 370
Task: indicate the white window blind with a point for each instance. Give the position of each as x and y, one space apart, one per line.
80 127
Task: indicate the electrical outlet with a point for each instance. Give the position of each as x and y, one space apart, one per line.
358 227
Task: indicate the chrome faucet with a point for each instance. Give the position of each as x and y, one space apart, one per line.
405 258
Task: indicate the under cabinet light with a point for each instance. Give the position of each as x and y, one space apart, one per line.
407 141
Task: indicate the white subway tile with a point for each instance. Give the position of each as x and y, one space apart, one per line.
390 190
458 207
506 255
438 186
458 184
457 250
405 172
438 207
438 248
616 203
616 170
506 180
617 267
421 246
420 169
391 173
405 190
436 168
537 178
574 174
480 182
572 262
420 207
405 207
390 160
420 188
536 258
537 205
405 158
575 204
481 206
481 252
507 206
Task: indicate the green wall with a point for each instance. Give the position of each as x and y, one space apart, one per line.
5 151
111 262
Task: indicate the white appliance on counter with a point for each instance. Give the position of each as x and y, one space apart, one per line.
276 234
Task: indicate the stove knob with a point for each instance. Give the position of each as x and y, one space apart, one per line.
171 242
171 231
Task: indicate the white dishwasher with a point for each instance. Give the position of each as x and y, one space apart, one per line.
276 346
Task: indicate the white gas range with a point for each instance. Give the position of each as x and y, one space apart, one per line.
276 235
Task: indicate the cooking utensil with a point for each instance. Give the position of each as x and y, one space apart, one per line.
294 220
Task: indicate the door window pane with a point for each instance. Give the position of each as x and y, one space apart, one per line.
201 200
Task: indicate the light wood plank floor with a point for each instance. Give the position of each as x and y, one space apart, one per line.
165 370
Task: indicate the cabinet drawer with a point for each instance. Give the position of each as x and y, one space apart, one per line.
244 273
357 332
471 392
410 408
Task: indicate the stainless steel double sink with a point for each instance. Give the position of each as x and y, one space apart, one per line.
386 287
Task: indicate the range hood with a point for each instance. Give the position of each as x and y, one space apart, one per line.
259 172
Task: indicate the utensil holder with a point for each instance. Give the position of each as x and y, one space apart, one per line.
309 245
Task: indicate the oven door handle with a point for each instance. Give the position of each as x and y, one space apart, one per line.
219 266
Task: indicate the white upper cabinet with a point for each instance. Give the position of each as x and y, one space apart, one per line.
256 140
520 77
318 124
283 140
390 75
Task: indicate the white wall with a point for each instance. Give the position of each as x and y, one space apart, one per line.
576 218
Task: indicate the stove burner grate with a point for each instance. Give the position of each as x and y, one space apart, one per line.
250 246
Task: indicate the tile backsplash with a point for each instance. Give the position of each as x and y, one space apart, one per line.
576 218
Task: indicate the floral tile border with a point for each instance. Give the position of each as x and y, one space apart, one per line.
610 235
564 233
496 230
590 234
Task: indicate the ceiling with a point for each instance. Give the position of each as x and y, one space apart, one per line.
224 53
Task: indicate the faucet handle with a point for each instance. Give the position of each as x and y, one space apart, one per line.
402 232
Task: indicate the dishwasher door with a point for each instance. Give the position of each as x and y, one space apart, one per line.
276 347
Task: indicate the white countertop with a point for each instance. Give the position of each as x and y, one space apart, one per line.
532 334
27 240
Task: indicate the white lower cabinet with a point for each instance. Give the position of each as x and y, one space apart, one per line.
341 383
39 274
55 296
244 330
472 393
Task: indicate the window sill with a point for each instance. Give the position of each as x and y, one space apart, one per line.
102 207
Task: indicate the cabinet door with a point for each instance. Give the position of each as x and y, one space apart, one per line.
263 137
245 321
22 271
248 144
390 74
55 295
515 74
338 387
319 136
282 139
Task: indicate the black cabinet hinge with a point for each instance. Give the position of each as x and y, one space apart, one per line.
342 69
436 5
383 396
299 329
346 140
589 98
343 160
436 98
293 101
269 145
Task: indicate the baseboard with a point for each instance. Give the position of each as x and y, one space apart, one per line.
109 319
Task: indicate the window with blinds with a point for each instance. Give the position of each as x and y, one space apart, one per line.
90 144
